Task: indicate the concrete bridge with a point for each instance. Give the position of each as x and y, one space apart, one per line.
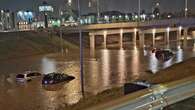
185 22
141 34
139 30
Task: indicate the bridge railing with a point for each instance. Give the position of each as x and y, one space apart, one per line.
156 97
177 22
104 21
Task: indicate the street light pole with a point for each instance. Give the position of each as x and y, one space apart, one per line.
98 10
61 42
81 50
139 9
186 8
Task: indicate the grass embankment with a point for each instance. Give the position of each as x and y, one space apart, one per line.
20 44
173 73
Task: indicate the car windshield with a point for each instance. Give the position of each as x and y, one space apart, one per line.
49 76
58 77
30 74
33 74
55 76
20 76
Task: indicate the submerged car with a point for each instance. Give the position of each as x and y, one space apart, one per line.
136 86
153 50
27 76
33 74
54 78
143 83
164 55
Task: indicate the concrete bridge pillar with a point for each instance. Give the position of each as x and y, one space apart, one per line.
193 35
92 41
92 53
178 37
121 40
105 40
185 38
141 39
153 39
92 45
168 37
134 37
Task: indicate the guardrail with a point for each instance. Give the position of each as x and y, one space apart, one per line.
154 98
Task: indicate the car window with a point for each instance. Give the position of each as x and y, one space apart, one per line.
20 76
59 77
48 76
30 74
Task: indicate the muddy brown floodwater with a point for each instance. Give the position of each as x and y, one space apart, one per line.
109 68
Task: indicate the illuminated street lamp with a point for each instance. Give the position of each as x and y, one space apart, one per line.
179 37
69 2
186 8
153 36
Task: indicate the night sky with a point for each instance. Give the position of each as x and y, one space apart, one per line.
106 5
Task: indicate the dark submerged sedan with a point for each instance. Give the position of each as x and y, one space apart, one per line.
164 55
54 78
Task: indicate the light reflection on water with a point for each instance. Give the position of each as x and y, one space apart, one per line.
105 67
135 64
94 77
121 66
110 68
179 55
48 65
65 93
153 63
72 89
167 63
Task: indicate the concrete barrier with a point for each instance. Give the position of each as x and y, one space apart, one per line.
154 98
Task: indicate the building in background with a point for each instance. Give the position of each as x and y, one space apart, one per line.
46 17
69 16
46 10
27 16
1 19
7 20
156 9
25 19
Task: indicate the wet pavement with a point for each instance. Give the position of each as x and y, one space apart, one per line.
109 68
188 104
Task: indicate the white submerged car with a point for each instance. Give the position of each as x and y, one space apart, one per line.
27 76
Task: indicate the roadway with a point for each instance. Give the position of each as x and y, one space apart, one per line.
154 98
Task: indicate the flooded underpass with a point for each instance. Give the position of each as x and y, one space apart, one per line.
110 68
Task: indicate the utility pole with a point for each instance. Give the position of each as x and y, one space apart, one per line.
98 10
81 50
61 41
139 10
